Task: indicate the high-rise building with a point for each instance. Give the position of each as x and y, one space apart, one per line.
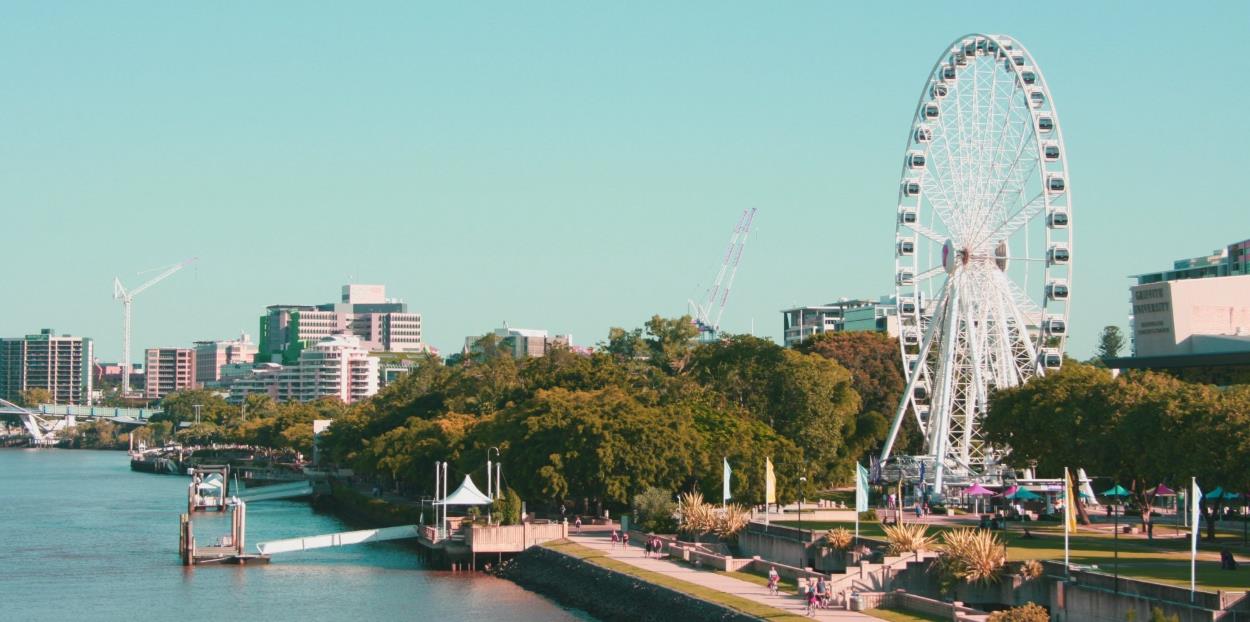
167 370
59 364
381 324
801 323
337 366
212 356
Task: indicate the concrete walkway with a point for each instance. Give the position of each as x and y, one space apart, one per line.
634 555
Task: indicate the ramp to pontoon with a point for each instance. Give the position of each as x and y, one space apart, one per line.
338 539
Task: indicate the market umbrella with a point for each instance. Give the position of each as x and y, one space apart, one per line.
1011 490
1116 491
1164 491
1023 494
977 490
1216 493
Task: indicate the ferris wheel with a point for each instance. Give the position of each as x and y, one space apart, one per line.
983 250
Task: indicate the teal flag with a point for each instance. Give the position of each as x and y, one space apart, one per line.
861 488
725 483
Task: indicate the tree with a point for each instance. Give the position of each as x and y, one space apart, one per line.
32 398
876 368
507 508
1110 342
671 341
654 509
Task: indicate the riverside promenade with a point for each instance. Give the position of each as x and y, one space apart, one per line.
599 538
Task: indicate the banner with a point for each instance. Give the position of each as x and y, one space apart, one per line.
1069 502
770 482
725 483
1195 513
861 488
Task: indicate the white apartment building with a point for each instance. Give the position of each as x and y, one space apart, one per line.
382 324
338 366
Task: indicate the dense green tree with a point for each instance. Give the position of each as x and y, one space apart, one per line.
179 406
1110 342
671 341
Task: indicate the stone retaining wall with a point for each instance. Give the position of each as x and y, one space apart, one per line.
606 594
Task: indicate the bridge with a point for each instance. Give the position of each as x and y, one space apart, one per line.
43 423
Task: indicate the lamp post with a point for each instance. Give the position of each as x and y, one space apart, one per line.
197 412
490 492
802 493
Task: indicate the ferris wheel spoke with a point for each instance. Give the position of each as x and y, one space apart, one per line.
1029 210
926 232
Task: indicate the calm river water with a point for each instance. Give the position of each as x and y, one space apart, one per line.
82 537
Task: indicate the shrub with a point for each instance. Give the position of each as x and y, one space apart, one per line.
699 518
908 538
654 509
1157 615
1029 612
1030 569
970 556
507 508
869 515
839 538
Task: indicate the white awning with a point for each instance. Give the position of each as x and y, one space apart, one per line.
466 494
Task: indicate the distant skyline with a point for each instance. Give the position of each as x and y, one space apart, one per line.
570 166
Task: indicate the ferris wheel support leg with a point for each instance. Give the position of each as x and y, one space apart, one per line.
925 346
947 377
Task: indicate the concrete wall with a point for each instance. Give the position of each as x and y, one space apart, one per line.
780 544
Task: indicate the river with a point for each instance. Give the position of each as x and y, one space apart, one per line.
82 537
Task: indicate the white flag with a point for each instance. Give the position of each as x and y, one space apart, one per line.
1195 512
725 483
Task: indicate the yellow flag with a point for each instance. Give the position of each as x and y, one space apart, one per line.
770 482
1069 503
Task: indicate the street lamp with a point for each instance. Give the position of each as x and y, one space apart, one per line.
802 491
197 412
490 492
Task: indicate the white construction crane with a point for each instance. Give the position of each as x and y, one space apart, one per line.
733 254
128 298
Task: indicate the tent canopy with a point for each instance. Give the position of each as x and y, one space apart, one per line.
1023 494
977 490
1164 491
466 494
1116 491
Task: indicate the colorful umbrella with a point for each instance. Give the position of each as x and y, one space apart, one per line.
1164 491
977 490
1011 490
1022 494
1215 494
1117 491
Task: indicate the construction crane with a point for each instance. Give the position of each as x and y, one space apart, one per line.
128 298
709 327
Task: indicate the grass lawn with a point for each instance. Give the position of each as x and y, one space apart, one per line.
903 616
1165 559
749 607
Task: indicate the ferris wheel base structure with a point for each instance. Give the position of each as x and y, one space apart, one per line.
983 254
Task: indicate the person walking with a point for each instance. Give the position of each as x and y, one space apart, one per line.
615 538
625 540
577 524
646 548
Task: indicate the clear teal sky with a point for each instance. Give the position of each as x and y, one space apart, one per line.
569 166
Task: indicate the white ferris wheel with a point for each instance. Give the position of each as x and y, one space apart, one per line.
983 251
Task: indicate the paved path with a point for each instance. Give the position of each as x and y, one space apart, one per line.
635 555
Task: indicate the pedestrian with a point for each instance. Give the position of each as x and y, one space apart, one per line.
615 538
647 549
657 546
821 592
625 540
919 509
577 524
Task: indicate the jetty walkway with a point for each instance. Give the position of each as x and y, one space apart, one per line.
599 539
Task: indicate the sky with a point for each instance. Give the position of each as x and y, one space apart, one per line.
571 166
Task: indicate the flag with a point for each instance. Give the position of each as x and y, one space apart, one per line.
1194 513
861 488
725 482
1069 503
770 482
